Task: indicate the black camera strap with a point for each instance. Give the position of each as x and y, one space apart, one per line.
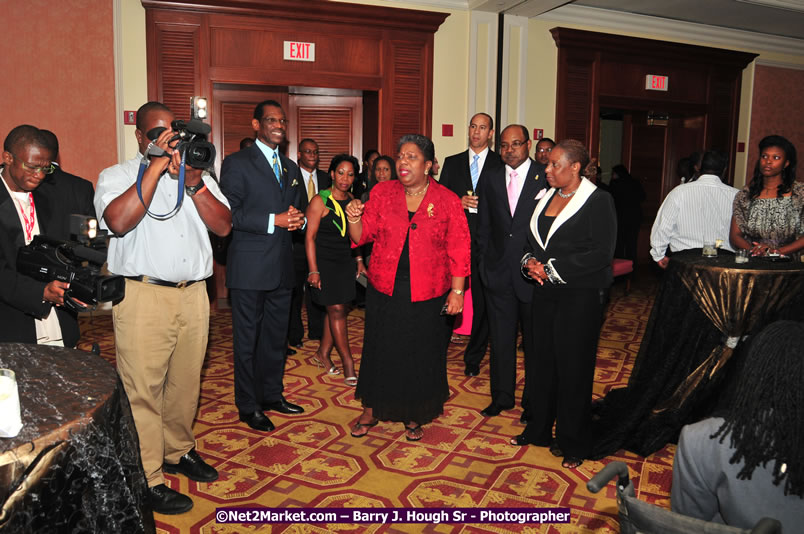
179 197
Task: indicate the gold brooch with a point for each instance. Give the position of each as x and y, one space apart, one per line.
430 210
295 183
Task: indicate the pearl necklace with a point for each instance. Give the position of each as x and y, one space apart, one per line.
567 195
418 193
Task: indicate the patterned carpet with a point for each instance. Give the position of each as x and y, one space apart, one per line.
464 459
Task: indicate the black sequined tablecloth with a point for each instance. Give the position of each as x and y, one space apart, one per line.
75 465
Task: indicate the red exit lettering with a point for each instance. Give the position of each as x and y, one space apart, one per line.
656 82
298 51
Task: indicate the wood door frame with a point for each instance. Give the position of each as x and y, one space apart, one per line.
240 42
596 67
325 101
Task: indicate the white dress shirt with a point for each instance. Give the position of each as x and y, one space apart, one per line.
307 176
692 214
480 160
172 249
48 330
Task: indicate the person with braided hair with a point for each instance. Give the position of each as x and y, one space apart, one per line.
749 463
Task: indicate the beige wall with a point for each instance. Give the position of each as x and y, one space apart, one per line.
132 67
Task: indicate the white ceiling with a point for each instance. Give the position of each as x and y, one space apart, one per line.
782 18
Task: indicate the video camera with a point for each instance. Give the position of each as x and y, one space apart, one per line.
192 136
78 263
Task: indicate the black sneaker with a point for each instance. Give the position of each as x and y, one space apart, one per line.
168 501
193 467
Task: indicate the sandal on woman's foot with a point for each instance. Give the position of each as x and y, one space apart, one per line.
414 433
571 462
333 370
357 430
555 450
520 440
350 381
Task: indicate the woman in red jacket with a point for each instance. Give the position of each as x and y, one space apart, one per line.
418 265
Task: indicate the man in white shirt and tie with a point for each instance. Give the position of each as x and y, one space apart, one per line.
464 173
314 182
506 204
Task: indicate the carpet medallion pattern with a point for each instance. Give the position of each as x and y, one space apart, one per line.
464 459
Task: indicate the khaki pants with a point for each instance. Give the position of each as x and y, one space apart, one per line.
161 337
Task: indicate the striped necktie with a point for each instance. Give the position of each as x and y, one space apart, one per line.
474 170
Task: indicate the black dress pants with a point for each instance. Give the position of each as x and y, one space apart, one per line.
566 328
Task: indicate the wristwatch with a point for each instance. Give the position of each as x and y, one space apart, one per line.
191 190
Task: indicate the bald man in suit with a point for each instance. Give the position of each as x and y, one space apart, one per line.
465 173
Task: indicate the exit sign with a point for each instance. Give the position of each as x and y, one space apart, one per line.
654 82
297 51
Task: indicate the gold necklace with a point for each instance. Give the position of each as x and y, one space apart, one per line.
418 193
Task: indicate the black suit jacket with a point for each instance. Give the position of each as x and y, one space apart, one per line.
258 260
456 176
502 238
323 181
56 198
581 239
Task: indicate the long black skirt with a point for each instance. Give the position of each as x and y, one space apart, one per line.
403 370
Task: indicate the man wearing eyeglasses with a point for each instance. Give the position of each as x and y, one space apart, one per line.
504 211
543 149
264 189
32 311
314 181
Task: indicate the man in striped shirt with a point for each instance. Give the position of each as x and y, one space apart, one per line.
694 213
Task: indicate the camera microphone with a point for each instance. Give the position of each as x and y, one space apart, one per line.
197 127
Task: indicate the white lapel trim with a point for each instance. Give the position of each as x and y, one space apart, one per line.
573 206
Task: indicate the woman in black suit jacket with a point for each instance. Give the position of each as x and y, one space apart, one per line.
573 231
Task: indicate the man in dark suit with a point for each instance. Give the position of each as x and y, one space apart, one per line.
362 182
504 211
32 202
263 187
314 181
69 188
464 174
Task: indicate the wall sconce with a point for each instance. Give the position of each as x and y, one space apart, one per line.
198 107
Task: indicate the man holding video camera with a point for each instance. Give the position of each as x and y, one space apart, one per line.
162 324
32 311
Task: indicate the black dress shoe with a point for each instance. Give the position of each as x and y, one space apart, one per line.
193 467
282 406
472 369
167 501
291 352
494 409
257 421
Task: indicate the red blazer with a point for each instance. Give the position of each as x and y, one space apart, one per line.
439 241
